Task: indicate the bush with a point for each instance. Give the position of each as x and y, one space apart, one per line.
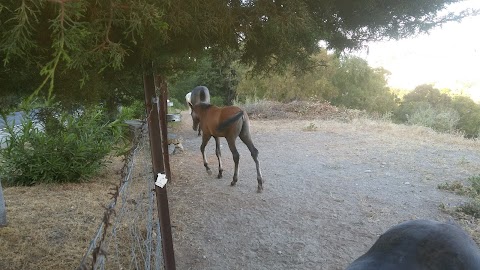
442 120
71 150
469 111
456 187
422 96
472 207
429 107
217 101
426 93
475 180
136 110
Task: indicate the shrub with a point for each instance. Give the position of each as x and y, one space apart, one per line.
217 101
406 109
443 120
426 93
472 207
469 111
427 106
419 98
71 150
475 180
136 110
456 187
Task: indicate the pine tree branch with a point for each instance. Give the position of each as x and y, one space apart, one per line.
19 40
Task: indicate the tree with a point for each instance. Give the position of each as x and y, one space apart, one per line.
292 84
421 97
59 36
17 80
469 112
440 110
214 69
427 93
361 87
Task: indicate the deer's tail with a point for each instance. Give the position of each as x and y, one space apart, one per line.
225 124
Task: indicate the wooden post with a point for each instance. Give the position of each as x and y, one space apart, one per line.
151 105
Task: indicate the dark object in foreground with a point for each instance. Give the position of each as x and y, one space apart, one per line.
421 245
229 122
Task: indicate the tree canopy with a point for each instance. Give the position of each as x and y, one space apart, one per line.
362 87
58 36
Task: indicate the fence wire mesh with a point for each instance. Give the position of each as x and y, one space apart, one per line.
129 235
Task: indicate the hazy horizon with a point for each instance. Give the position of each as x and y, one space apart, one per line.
448 57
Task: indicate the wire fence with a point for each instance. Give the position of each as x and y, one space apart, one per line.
129 235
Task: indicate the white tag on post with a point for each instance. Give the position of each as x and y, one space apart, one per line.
161 180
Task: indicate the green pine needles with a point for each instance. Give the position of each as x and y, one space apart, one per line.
58 147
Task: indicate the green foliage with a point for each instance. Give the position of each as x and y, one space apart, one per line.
422 96
426 93
87 37
443 120
472 207
201 73
18 40
456 187
213 70
177 106
469 111
17 81
348 82
217 101
136 110
475 180
109 88
430 107
362 87
63 148
292 84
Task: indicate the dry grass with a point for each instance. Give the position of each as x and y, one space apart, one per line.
467 214
303 109
50 226
335 119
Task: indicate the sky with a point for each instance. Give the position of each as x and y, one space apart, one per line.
447 57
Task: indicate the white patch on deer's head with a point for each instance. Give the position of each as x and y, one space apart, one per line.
195 118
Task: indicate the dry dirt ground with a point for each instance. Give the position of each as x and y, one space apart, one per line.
332 186
331 189
51 226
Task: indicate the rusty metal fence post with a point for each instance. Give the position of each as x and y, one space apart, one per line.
161 85
154 122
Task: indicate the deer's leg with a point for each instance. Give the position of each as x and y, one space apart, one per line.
254 152
205 140
219 157
236 158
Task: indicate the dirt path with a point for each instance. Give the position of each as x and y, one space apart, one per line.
328 194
